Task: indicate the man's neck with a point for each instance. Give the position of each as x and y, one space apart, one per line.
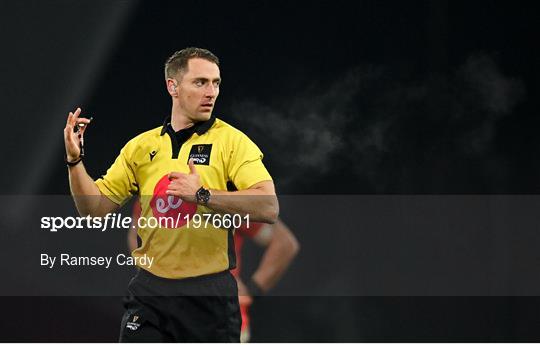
180 121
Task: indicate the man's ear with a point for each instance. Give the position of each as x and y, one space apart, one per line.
172 84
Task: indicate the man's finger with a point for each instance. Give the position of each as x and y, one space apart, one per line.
83 120
77 113
192 169
69 120
72 117
82 124
172 190
174 175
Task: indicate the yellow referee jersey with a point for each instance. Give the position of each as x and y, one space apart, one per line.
222 154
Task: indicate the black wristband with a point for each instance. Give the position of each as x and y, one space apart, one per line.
254 289
75 162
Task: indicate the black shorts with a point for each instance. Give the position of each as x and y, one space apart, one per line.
200 309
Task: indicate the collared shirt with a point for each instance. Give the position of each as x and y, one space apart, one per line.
222 155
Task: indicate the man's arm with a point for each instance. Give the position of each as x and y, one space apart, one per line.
259 201
88 199
87 196
132 238
281 248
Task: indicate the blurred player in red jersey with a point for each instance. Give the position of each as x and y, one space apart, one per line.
281 246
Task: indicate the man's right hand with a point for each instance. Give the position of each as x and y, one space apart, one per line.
86 194
72 139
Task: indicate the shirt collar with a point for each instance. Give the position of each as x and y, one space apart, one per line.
200 127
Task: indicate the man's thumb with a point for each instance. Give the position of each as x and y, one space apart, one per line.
192 169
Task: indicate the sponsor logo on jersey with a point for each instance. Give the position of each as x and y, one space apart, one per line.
170 206
200 154
132 325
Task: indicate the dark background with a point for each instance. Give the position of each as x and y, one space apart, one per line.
375 97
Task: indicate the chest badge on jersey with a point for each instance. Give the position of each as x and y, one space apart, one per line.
200 154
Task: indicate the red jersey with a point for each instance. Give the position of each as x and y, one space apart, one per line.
239 237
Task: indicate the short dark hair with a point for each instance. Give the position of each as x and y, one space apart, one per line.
178 62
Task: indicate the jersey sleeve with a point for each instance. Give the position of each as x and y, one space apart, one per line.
119 183
246 167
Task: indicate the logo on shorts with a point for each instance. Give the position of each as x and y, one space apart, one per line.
133 325
200 154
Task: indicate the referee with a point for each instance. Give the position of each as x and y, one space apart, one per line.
180 170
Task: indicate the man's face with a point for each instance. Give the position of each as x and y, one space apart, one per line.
198 89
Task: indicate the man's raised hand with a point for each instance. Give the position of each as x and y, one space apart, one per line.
72 139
